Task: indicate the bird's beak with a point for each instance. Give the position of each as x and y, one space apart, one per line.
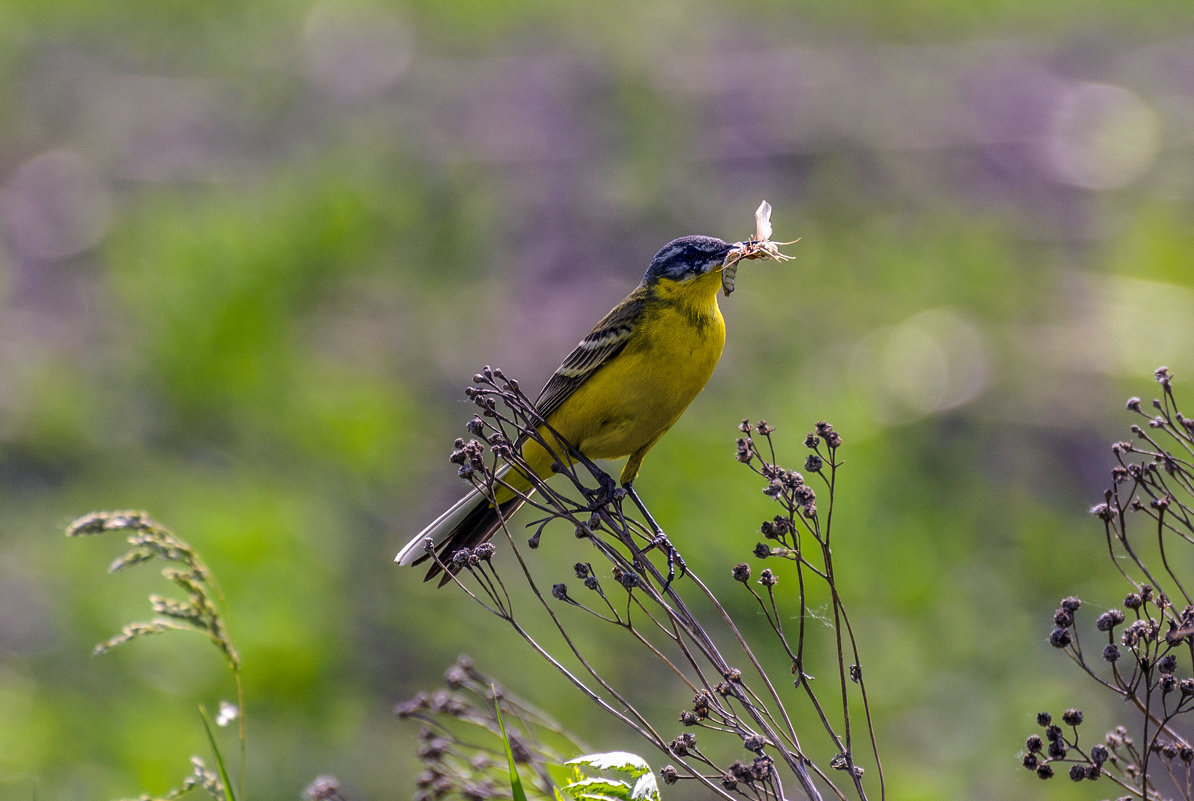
722 255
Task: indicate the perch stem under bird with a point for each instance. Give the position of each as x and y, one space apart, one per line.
620 390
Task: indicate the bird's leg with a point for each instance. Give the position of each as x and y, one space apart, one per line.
660 540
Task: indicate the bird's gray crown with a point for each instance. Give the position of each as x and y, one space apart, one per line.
687 257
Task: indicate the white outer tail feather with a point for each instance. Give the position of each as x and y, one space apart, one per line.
441 528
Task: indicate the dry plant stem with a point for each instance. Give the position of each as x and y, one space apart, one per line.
679 621
842 622
634 719
792 756
504 612
686 621
511 418
1148 655
812 526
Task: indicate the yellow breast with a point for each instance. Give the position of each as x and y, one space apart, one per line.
630 402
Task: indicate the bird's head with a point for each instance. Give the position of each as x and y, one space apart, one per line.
686 258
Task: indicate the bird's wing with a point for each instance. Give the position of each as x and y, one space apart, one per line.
600 345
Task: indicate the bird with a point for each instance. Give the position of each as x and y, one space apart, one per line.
623 386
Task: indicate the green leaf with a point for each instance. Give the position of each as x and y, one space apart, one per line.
645 788
622 761
597 789
515 782
229 795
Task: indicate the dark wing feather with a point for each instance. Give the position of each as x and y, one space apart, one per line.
605 341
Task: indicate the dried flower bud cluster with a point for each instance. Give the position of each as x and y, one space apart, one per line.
1042 753
454 764
788 487
1147 652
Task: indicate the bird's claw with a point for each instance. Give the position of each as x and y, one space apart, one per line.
673 559
605 494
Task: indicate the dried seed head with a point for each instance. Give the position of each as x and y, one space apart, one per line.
754 743
324 788
762 768
1109 620
700 704
683 744
411 706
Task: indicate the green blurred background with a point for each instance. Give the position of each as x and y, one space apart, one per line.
252 252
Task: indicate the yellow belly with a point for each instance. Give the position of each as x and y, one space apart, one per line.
629 403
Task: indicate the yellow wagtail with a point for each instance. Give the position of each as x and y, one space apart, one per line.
616 394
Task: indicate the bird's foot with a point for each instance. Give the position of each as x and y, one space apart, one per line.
674 559
606 493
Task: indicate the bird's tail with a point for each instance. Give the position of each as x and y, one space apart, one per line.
472 520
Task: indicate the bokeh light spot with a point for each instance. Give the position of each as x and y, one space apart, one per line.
929 363
1102 137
